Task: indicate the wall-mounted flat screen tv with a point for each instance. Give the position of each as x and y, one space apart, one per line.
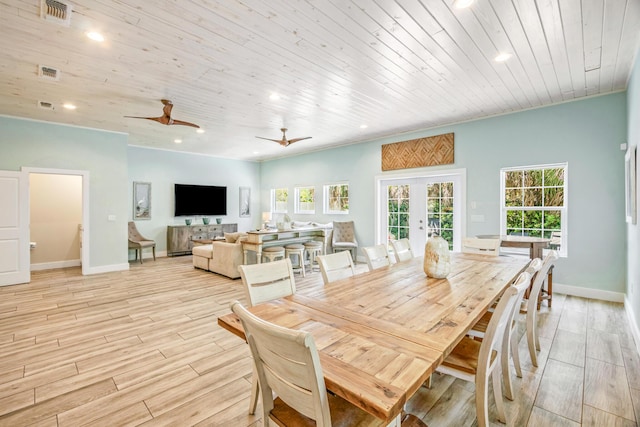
200 200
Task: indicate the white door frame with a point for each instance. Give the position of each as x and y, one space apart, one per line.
461 173
84 236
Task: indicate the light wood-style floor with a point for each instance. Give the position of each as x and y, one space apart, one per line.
142 347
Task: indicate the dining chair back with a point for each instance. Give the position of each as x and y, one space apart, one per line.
402 250
510 340
336 266
288 364
343 237
267 281
532 305
477 362
377 256
474 245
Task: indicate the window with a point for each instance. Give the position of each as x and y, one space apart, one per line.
398 211
279 200
534 203
440 210
336 199
305 200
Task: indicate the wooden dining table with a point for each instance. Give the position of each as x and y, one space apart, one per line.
382 333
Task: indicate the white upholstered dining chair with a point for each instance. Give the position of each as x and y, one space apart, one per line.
473 361
402 250
266 282
287 364
336 266
377 256
474 245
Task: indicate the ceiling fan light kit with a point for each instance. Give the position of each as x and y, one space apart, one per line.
284 141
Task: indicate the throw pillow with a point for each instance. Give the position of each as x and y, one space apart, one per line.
231 237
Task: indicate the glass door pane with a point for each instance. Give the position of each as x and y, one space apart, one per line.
416 208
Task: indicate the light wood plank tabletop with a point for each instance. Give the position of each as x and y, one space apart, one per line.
402 301
381 334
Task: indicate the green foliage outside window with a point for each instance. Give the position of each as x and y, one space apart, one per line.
280 199
530 198
398 212
338 198
440 210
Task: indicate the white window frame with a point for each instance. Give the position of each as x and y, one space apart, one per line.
297 202
273 201
325 194
563 252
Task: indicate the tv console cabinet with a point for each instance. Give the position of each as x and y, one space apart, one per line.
180 237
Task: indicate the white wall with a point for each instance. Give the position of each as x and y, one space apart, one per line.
586 134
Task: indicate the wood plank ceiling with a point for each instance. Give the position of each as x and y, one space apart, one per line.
393 65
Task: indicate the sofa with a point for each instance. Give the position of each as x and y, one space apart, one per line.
221 257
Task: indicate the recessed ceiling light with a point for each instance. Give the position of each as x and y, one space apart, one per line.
502 57
364 126
97 37
274 97
256 152
200 130
462 4
177 141
69 106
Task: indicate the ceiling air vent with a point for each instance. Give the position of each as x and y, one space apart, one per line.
48 73
45 105
56 11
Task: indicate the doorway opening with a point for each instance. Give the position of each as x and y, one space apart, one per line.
58 218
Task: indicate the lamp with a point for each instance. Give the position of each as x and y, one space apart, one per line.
266 217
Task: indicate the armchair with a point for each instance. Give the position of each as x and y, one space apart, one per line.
138 242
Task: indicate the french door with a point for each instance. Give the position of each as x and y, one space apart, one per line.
419 207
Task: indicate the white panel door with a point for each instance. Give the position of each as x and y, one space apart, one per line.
14 228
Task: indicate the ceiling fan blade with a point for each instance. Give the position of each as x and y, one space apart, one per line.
182 123
291 141
163 120
269 139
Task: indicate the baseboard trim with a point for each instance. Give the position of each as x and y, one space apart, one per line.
55 264
633 323
149 256
578 291
107 268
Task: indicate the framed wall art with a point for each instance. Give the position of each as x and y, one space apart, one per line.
141 200
245 202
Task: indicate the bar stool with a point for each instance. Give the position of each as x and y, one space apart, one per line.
273 252
296 249
313 249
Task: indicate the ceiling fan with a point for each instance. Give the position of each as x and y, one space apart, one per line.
284 141
166 119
